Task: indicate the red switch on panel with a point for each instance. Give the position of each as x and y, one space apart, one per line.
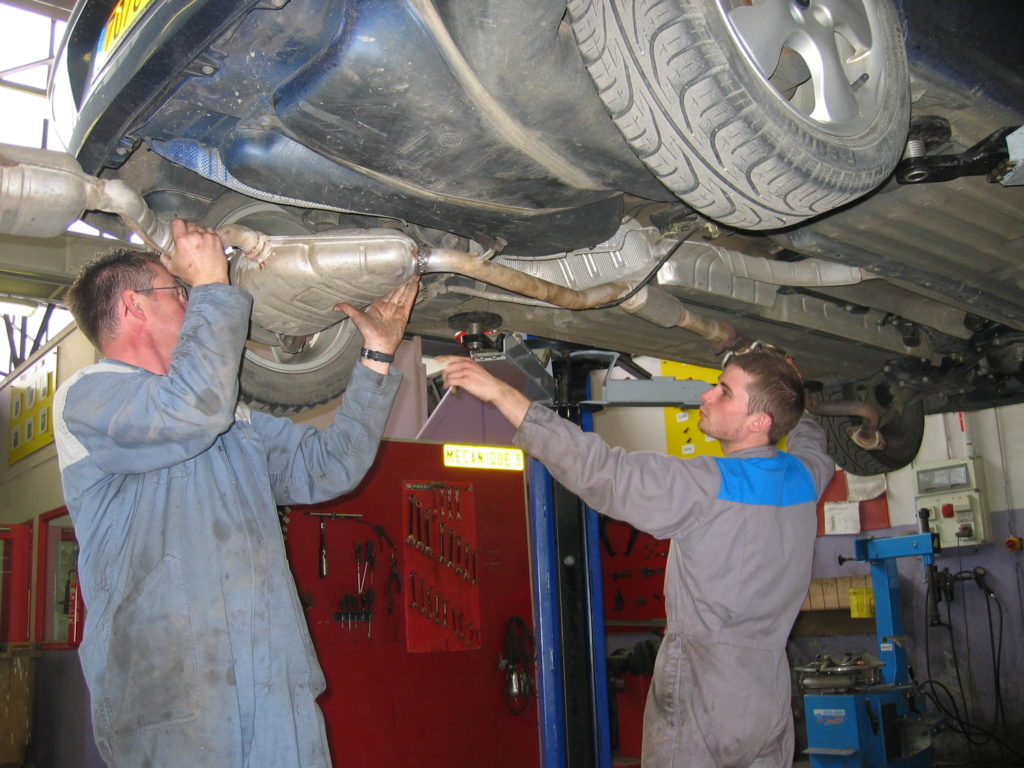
947 510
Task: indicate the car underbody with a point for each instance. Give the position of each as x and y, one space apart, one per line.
316 120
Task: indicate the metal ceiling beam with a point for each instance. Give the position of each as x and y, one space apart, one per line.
29 89
54 9
41 269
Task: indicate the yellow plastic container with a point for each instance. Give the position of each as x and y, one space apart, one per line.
862 603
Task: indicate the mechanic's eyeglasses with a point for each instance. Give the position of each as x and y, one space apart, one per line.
181 289
754 346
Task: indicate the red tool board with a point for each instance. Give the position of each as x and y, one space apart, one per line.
408 604
633 578
633 581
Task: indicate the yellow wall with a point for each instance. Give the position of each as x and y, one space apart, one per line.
30 485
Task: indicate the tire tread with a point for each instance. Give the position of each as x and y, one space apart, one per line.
699 129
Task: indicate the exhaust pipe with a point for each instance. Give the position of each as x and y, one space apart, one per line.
867 436
42 192
296 281
366 264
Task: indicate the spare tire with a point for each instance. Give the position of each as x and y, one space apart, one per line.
758 113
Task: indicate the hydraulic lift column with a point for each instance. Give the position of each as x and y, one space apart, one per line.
581 618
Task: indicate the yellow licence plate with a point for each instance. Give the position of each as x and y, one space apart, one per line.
120 21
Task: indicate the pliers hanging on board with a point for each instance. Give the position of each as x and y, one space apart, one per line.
602 526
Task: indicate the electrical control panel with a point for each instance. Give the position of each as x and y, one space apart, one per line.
952 492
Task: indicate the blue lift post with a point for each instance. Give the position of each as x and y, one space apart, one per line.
569 616
551 709
597 630
879 725
574 699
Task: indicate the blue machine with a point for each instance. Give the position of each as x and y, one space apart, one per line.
866 712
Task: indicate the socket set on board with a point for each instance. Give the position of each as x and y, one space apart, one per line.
443 600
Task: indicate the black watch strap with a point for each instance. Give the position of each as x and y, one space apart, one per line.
373 354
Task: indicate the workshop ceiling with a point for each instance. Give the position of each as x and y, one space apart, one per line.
38 270
55 9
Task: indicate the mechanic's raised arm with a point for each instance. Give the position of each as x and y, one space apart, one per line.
807 442
125 412
464 373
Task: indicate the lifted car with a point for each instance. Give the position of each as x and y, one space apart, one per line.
671 178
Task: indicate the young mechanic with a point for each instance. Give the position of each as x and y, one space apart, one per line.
742 531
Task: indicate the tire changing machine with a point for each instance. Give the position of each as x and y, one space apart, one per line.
863 711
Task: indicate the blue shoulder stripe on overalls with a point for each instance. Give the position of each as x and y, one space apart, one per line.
779 481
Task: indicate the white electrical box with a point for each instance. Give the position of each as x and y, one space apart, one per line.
952 492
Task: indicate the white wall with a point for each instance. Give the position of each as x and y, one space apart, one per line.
635 429
995 436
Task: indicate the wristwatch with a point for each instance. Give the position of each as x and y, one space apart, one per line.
373 354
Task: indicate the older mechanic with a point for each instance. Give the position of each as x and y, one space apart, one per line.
742 532
196 651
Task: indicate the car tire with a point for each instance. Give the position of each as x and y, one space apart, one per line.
271 379
902 426
749 150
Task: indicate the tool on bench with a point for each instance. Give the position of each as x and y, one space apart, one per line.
359 566
633 533
368 599
426 524
365 562
411 539
370 560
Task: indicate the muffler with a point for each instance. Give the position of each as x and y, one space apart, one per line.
296 281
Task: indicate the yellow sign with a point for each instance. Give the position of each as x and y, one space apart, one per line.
683 437
483 457
29 427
